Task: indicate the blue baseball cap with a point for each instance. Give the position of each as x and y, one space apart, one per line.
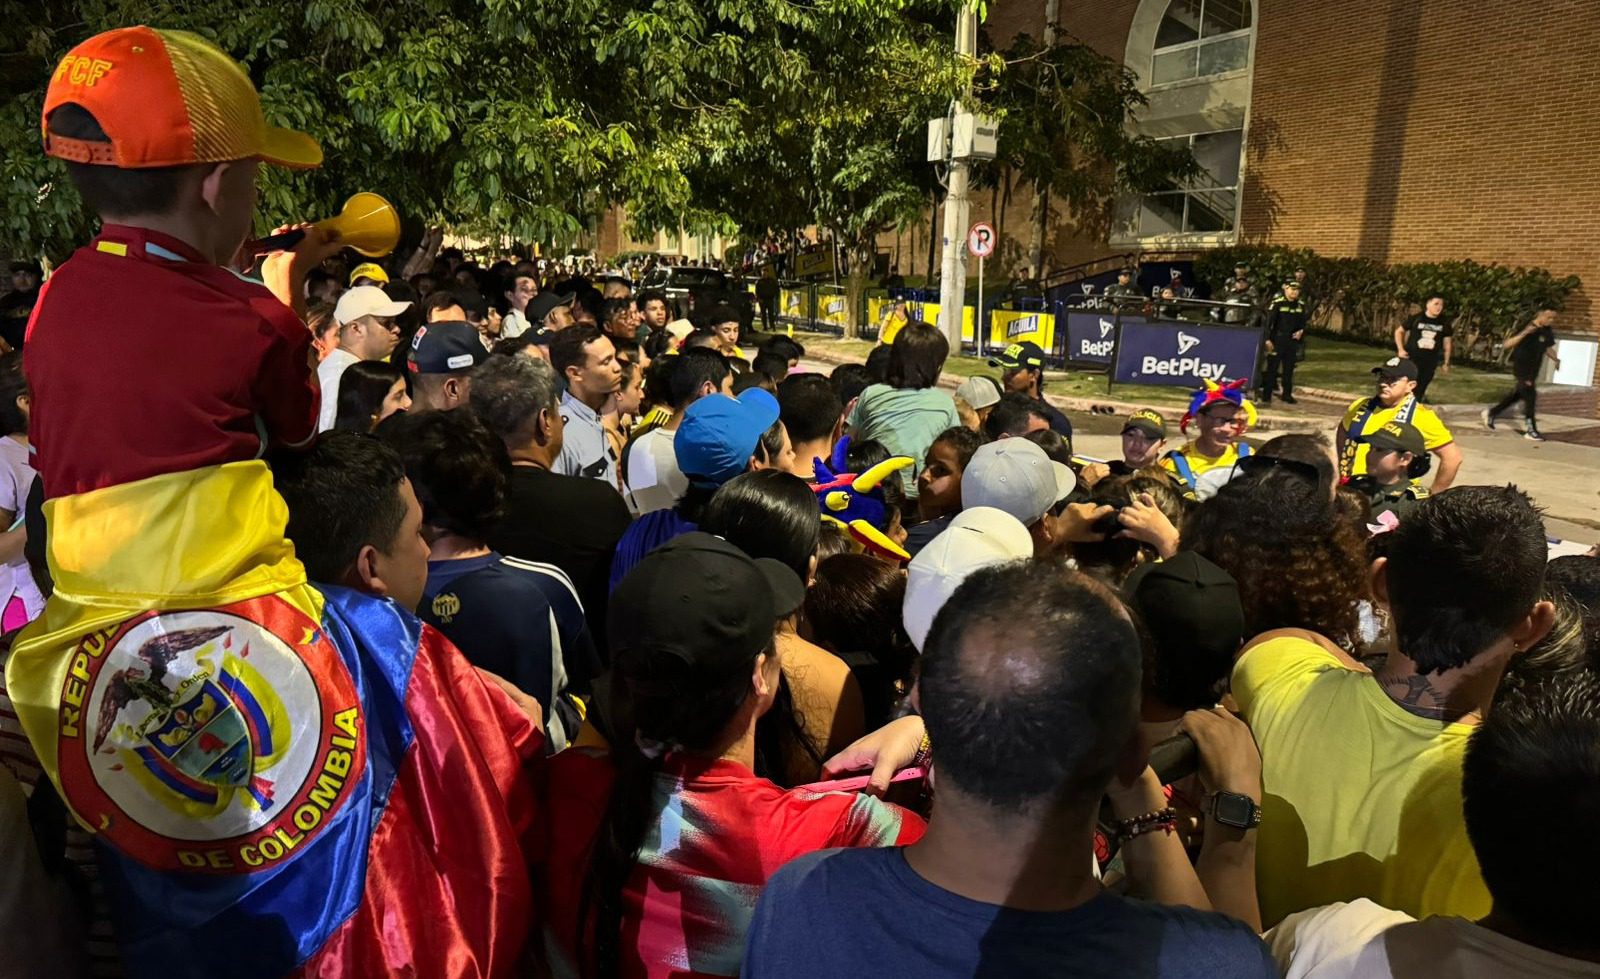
719 434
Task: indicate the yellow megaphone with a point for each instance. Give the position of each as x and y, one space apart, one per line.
368 223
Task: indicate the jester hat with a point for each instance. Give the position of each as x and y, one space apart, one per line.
1214 393
855 501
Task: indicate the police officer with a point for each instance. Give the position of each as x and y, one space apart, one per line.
1124 290
1396 458
1240 308
1286 330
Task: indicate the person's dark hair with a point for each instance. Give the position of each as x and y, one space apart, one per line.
362 388
510 346
343 494
1464 566
1115 557
1011 413
13 385
569 348
652 295
917 356
1299 563
833 539
773 365
878 364
319 318
698 339
473 304
1053 444
456 466
767 513
849 380
693 369
1310 449
753 379
1532 762
1030 686
1577 576
627 349
613 309
853 611
784 346
592 301
963 439
718 314
1430 297
442 299
114 191
810 407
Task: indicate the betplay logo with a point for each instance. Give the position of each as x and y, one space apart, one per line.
1184 365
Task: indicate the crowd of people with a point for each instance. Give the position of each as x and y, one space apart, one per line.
507 626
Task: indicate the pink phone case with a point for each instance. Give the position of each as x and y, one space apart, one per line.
856 783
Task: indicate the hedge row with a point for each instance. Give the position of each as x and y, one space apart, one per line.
1371 298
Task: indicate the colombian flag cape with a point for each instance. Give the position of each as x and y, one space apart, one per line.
284 779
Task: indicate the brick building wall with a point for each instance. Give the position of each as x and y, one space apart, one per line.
1398 130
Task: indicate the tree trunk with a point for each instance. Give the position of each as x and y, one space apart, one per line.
1037 227
862 250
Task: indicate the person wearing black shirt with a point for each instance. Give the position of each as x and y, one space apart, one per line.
1426 341
1286 330
568 521
1528 347
1023 367
17 305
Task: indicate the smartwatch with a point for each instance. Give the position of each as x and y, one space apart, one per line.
1233 809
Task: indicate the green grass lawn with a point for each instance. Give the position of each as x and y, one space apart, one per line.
1337 365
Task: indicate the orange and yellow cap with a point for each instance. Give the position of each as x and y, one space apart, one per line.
166 98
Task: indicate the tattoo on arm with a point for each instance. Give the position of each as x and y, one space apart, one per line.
1416 694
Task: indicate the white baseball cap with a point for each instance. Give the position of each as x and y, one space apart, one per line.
1016 476
975 539
978 392
366 301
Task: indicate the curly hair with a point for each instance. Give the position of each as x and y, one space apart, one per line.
1298 558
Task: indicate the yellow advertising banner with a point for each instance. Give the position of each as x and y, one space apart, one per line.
833 308
929 313
795 303
1012 326
808 264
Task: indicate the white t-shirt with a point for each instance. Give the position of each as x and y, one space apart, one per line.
328 373
513 324
1363 940
654 480
16 479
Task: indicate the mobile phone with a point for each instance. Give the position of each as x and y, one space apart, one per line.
856 783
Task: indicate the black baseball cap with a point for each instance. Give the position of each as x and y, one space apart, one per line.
1398 435
446 347
701 599
1024 354
1397 367
28 265
1188 604
1147 421
540 306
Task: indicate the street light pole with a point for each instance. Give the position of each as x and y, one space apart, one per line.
957 206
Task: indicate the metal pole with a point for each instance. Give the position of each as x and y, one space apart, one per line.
957 206
980 323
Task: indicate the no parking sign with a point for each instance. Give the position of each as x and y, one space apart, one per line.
980 240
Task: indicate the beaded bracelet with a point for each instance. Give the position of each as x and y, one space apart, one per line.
1165 819
924 753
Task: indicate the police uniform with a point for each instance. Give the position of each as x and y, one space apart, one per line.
1401 497
1285 318
1119 292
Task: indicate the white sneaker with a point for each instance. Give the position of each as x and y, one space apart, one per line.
1488 419
1532 435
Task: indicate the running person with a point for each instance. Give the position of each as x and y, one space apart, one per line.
1528 347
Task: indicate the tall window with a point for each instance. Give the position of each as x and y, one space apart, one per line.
1201 38
1205 205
